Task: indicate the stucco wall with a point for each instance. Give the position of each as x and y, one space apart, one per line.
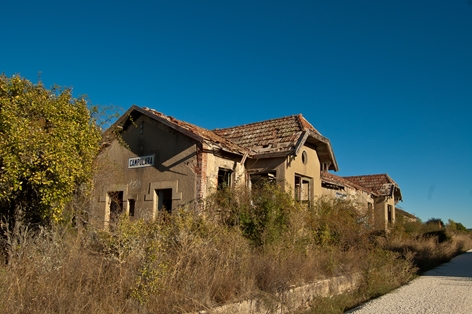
311 168
214 163
381 211
174 168
286 168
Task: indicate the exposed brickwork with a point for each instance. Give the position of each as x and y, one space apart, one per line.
200 171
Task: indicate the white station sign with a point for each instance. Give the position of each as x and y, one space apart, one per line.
142 161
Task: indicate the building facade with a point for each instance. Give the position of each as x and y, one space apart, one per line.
386 194
151 162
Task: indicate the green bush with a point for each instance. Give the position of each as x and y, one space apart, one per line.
244 245
262 214
339 223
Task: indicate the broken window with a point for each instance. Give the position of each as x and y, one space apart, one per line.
164 200
341 196
390 213
302 189
260 178
115 205
131 205
224 178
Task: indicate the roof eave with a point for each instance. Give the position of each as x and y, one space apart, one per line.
398 193
131 113
272 154
171 125
120 122
323 148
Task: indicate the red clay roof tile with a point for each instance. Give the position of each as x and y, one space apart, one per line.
379 183
334 179
275 135
265 139
200 132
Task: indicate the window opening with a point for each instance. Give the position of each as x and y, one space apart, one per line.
341 196
131 205
224 178
304 157
116 205
389 213
164 200
302 189
260 178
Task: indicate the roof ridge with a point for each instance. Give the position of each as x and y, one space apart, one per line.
389 178
377 182
178 122
256 122
276 139
305 124
369 175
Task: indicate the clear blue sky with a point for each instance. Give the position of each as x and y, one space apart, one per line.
388 82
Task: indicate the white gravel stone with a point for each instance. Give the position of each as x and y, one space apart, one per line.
445 289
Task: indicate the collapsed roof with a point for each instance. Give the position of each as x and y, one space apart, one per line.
380 184
337 182
281 137
266 139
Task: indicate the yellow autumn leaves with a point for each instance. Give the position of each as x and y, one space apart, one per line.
48 142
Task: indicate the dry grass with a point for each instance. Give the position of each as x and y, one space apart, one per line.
187 262
395 260
428 251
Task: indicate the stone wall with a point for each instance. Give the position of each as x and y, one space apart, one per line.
293 299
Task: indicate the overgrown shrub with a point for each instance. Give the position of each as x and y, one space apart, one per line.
262 214
339 223
245 245
49 141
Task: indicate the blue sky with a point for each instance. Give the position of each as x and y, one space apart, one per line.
388 82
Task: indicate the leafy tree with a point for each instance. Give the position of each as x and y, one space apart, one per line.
48 142
460 227
452 225
435 222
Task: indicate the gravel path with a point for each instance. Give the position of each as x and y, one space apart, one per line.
445 289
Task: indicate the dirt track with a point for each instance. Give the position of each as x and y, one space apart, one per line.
445 289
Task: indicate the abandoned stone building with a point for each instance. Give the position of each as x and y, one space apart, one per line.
160 163
377 194
338 187
405 217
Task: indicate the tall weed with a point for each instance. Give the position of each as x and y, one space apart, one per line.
244 245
